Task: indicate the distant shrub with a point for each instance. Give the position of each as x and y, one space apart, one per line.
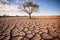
17 15
4 15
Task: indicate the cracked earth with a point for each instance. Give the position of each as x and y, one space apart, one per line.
29 29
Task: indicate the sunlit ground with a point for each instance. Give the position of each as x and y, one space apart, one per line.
23 28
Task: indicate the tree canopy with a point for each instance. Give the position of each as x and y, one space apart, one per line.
29 7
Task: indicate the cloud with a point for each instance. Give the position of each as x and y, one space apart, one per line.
3 1
12 2
16 1
1 14
8 7
1 6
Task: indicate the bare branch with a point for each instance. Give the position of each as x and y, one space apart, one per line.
29 7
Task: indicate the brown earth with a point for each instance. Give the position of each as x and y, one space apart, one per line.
17 28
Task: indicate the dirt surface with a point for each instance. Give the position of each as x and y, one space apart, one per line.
29 29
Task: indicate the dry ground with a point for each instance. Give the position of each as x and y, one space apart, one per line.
16 28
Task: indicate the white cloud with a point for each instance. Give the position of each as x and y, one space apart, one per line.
3 1
1 6
8 7
16 1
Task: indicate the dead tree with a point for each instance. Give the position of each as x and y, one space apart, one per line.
29 8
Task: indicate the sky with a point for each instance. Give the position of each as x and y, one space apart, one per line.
46 7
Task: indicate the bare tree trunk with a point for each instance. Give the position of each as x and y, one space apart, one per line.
29 15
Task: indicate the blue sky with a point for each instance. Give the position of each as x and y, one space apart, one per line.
46 7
